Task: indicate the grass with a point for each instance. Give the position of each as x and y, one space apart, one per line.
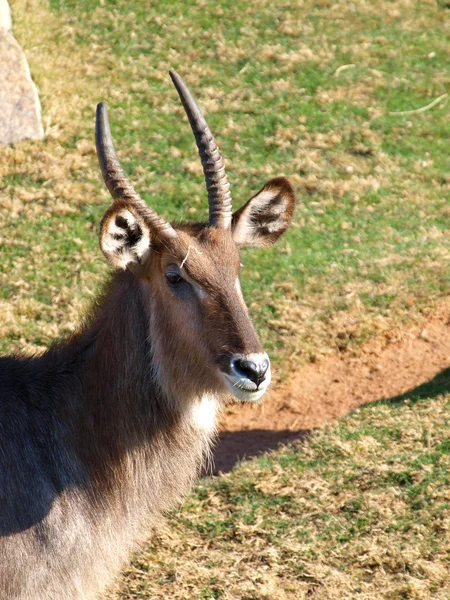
310 90
358 510
287 89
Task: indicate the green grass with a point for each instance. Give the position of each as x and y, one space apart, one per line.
358 510
369 234
305 89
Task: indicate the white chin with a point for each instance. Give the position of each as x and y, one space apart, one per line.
245 390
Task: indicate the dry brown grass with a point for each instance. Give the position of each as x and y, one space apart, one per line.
356 511
367 252
49 184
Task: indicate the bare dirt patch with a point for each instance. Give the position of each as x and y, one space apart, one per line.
386 368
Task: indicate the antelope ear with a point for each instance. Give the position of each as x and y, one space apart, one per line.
266 216
125 237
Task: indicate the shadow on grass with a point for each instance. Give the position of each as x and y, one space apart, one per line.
234 446
440 384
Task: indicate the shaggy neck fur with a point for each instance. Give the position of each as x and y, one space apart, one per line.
106 448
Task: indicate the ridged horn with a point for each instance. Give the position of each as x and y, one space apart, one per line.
118 185
217 186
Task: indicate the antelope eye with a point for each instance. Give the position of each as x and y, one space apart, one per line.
173 278
178 286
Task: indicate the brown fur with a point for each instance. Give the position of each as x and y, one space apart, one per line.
107 429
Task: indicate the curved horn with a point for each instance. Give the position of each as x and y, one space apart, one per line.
118 185
217 186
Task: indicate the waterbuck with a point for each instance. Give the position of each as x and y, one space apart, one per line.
108 428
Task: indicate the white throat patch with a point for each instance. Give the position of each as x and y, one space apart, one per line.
204 413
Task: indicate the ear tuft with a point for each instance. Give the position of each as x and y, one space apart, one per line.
266 216
124 236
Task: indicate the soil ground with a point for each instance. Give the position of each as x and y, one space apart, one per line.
385 368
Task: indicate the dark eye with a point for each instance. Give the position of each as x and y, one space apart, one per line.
173 278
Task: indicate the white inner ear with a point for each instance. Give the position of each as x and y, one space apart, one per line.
261 214
125 239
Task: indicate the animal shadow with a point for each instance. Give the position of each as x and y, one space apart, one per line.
235 446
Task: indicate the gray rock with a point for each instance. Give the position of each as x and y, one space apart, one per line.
5 15
20 112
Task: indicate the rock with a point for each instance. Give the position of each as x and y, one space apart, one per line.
5 15
20 114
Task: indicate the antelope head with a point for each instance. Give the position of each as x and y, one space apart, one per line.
202 338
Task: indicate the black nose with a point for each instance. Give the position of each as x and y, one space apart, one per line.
254 369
